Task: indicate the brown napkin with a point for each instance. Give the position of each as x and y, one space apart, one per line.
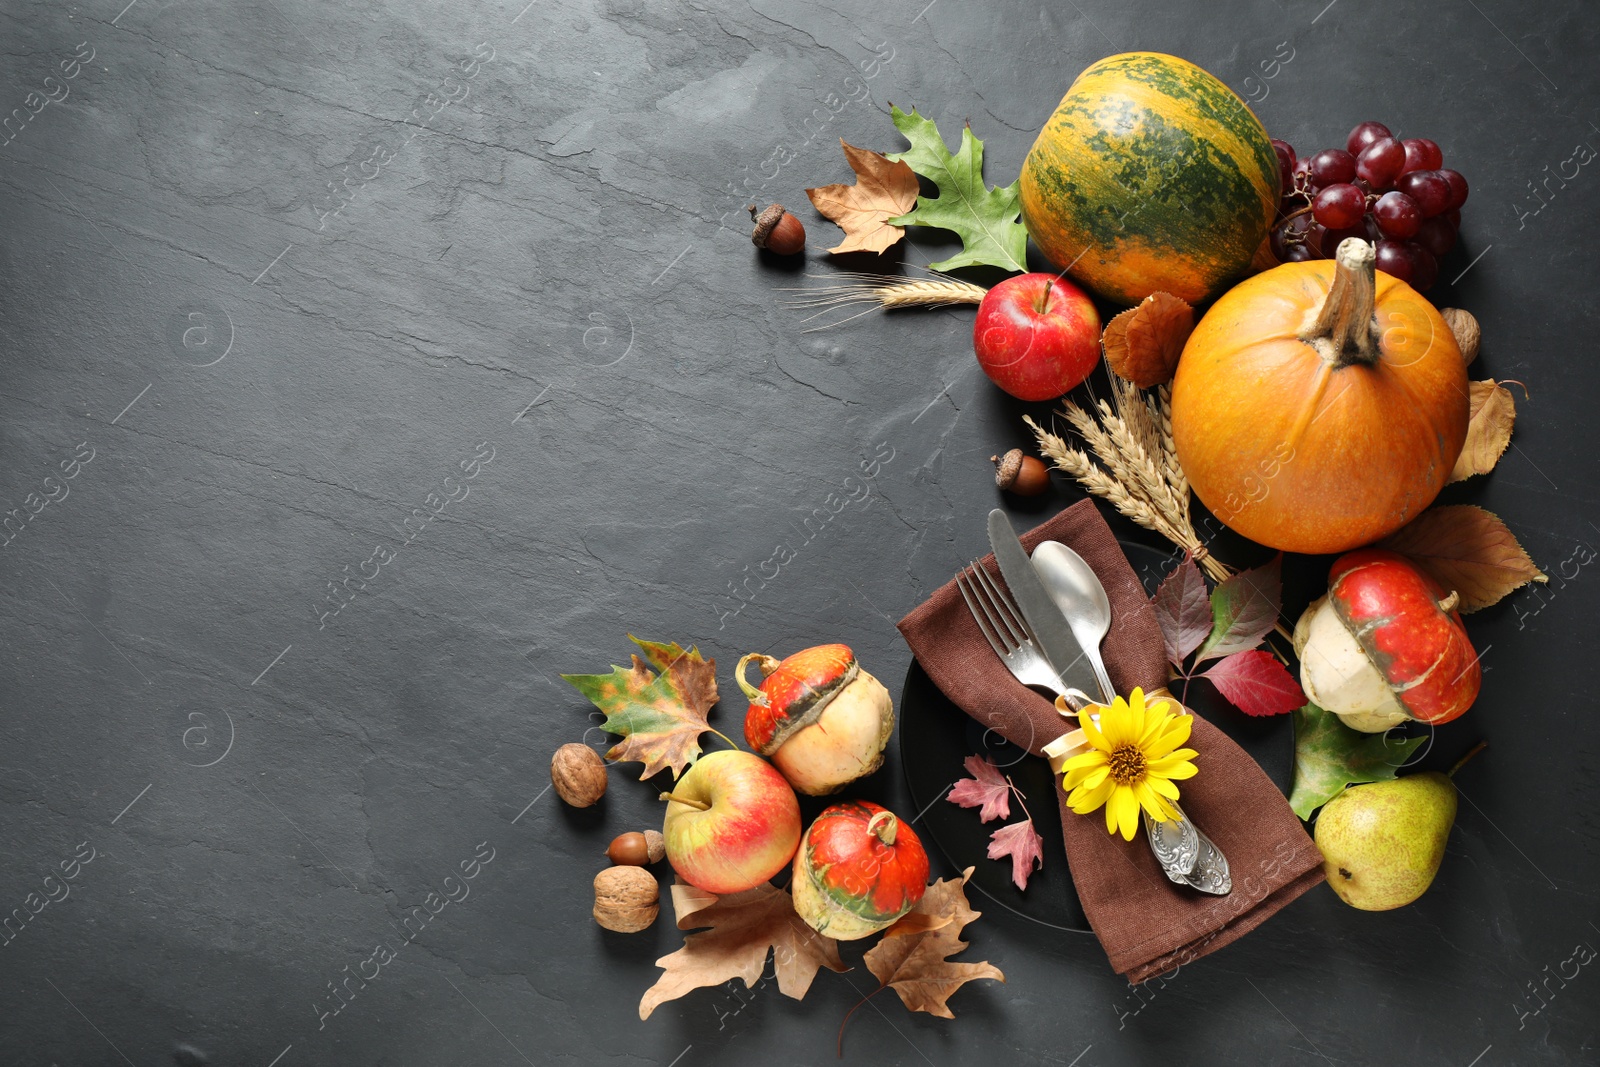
1146 924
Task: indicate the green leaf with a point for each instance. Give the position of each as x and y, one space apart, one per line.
660 717
1243 610
1328 756
985 219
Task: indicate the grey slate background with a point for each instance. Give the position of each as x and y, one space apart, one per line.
557 266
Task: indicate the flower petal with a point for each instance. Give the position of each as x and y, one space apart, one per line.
1125 810
1163 786
1177 772
1092 734
1083 801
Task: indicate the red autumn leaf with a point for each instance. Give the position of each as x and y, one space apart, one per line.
1183 610
1256 683
987 788
1243 609
1023 844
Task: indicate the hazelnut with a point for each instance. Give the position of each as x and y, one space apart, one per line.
579 775
1465 327
776 230
1020 474
626 899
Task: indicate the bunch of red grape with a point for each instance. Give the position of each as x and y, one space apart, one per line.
1379 188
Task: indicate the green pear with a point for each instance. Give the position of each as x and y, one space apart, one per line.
1383 843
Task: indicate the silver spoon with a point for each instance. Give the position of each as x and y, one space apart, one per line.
1186 855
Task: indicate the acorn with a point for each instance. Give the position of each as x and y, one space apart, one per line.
1021 474
777 231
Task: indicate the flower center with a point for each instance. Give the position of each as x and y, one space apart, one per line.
1127 764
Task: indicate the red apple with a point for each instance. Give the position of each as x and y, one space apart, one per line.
732 822
1036 336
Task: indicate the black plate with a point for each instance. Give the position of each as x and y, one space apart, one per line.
936 737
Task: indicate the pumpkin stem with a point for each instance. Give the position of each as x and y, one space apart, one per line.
1448 604
1345 324
883 825
768 665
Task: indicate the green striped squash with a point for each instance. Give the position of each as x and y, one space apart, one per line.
1151 176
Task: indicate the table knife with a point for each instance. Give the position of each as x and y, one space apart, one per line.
1049 626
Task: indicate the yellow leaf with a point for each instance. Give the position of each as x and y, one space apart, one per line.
883 190
1467 549
1489 431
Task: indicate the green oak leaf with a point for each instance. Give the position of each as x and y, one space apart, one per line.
660 716
985 219
1328 756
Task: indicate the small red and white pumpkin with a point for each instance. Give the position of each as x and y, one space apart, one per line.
858 870
1386 644
820 718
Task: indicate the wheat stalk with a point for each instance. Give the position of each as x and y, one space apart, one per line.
884 291
1141 476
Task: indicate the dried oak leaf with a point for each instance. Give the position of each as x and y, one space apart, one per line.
1143 343
884 189
660 717
910 957
1467 549
744 927
1489 431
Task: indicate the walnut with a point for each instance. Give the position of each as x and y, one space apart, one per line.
626 899
1465 327
579 775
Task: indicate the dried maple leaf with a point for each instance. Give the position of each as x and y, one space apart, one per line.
744 927
884 189
660 717
1493 414
1256 683
1466 549
1022 843
1143 343
910 958
987 788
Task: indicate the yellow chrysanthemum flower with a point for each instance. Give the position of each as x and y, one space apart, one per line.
1132 762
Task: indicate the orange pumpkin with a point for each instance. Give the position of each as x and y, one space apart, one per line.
1320 406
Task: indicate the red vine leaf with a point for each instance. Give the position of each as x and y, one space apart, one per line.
1183 610
1256 683
987 788
1243 609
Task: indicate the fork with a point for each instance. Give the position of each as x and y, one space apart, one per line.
1008 633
